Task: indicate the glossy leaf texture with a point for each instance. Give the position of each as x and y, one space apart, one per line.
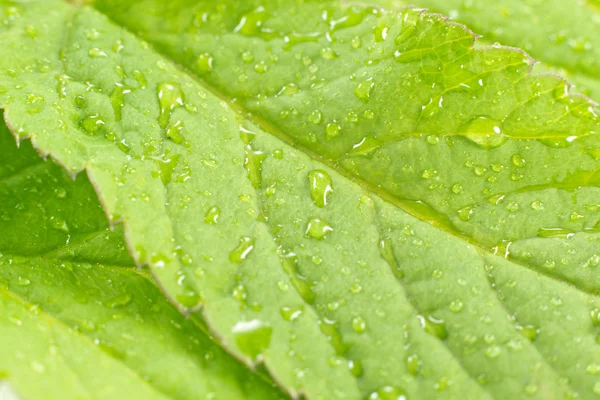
353 197
563 35
77 320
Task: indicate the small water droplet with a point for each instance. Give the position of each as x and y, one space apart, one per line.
456 306
95 52
529 331
22 281
537 205
118 301
388 393
358 324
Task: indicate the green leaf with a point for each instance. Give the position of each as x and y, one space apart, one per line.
357 198
564 36
76 320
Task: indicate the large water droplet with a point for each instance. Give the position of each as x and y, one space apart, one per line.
92 124
239 254
170 96
363 90
291 313
484 131
320 186
205 62
433 326
331 330
117 99
252 337
318 229
212 215
387 253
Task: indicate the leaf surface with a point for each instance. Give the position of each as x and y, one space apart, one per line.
76 319
357 198
563 35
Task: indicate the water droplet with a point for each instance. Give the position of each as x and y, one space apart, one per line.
358 324
189 298
331 330
430 109
387 253
318 229
212 215
289 90
465 213
456 306
518 161
484 131
174 132
21 281
329 54
381 32
252 337
118 301
239 254
364 89
117 99
92 124
413 364
252 24
316 117
205 62
529 331
332 130
253 164
170 96
457 188
302 285
433 326
356 368
537 205
493 351
291 313
247 57
140 78
261 67
388 393
429 174
320 186
95 52
31 31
